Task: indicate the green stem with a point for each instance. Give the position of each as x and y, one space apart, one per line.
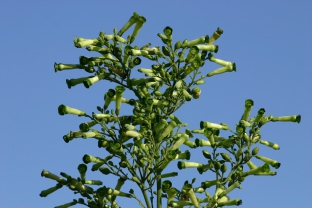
146 197
159 191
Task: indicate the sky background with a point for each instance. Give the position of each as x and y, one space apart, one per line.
270 42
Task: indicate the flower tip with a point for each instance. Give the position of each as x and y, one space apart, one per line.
66 139
181 165
62 110
68 83
277 165
216 51
87 83
56 68
298 118
234 67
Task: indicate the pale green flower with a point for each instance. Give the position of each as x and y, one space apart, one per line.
211 48
63 109
248 106
90 81
109 95
271 162
293 118
119 92
183 165
46 192
61 67
270 144
194 42
167 130
82 42
215 36
184 137
231 202
139 23
74 202
133 19
73 82
52 176
202 143
229 189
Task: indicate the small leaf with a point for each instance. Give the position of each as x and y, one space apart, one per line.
193 180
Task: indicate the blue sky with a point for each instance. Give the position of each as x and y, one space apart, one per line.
270 41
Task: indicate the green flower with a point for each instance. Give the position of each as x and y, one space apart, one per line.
74 202
52 176
63 109
46 192
61 67
202 143
270 144
119 92
248 105
188 189
168 32
192 53
271 162
208 184
167 175
236 202
90 159
73 82
215 35
229 189
140 21
108 97
197 41
261 169
183 165
206 124
167 130
251 165
94 182
90 81
183 138
87 125
211 48
294 118
82 168
133 19
82 42
259 116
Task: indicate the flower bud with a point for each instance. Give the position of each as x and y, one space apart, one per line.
226 157
255 151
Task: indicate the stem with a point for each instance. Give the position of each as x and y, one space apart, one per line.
159 191
146 197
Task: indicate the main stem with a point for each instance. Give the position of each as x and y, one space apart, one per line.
147 201
159 192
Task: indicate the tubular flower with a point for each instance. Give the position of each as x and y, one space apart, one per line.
63 109
294 118
270 144
119 92
46 192
271 162
133 19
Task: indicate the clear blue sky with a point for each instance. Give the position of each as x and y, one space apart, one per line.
270 41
